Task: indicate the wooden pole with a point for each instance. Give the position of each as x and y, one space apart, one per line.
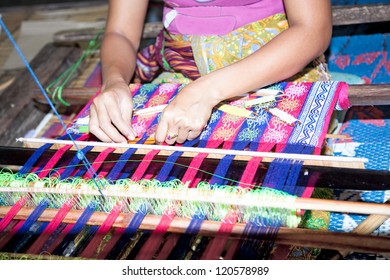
358 95
286 236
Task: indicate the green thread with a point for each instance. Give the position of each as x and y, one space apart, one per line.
153 197
64 79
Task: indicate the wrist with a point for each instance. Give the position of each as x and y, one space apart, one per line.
212 91
108 82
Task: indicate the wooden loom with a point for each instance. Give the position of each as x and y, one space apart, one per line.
299 237
313 168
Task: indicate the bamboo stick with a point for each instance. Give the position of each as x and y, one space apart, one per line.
368 226
210 197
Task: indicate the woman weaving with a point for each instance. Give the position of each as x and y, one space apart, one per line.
221 48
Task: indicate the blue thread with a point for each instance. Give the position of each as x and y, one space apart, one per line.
127 234
257 241
80 155
240 143
118 167
33 159
171 161
92 172
18 237
28 239
75 230
74 162
184 242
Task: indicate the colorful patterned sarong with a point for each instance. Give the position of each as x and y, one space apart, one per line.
183 58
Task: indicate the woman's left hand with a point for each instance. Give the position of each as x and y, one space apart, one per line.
186 116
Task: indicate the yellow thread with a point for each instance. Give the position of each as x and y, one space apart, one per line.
236 111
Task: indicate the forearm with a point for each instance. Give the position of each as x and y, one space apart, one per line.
280 59
121 40
118 58
287 54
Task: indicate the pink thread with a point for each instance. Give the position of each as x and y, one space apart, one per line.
52 226
98 162
216 246
310 185
232 249
143 166
251 169
90 250
193 168
248 175
343 100
53 161
111 243
12 212
170 243
153 243
9 236
196 162
59 239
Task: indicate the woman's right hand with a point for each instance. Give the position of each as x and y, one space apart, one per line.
111 113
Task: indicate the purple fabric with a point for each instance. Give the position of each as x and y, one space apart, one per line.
216 17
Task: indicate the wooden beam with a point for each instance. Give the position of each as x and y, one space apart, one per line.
288 236
342 15
367 95
359 14
326 177
359 95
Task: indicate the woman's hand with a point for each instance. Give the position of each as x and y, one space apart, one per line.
186 116
111 112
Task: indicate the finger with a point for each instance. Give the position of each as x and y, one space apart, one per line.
106 125
94 126
171 136
182 135
192 134
114 114
161 131
127 114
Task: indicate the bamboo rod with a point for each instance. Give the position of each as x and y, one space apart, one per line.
286 236
368 226
212 197
188 151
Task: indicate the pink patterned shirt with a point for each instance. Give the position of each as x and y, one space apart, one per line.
215 17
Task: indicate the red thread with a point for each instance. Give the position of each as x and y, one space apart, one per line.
170 243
